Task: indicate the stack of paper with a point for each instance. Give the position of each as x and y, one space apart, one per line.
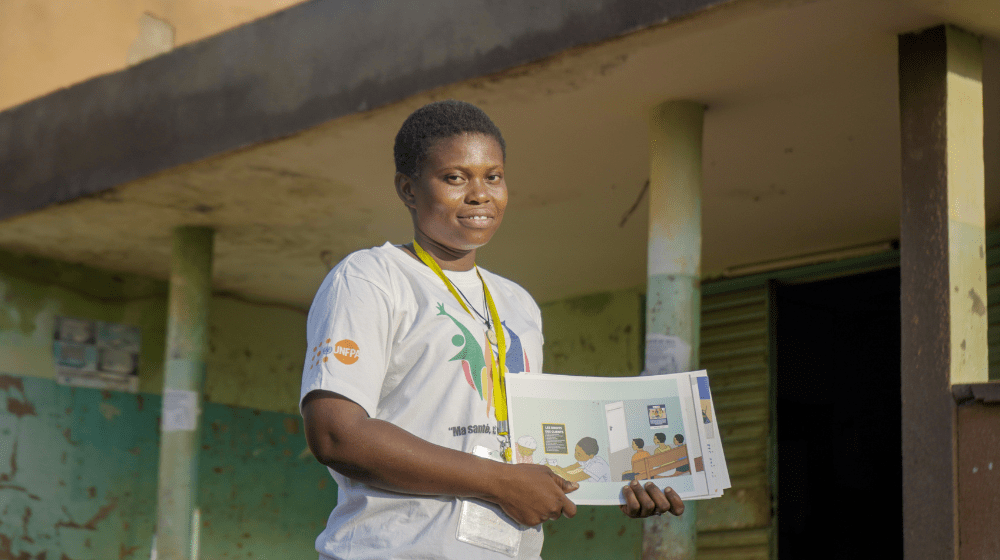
606 431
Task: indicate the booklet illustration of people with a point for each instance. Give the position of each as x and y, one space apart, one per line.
606 431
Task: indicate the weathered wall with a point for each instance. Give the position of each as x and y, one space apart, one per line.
256 350
29 305
78 467
78 474
51 44
597 334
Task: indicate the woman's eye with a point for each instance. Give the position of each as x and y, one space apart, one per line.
453 178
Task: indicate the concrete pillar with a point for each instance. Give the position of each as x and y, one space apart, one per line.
184 375
673 292
943 270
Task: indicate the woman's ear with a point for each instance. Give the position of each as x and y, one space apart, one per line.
404 190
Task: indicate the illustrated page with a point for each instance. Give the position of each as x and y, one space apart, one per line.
606 431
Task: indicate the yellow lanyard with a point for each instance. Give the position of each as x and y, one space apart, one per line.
499 390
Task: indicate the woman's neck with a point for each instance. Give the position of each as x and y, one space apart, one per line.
446 257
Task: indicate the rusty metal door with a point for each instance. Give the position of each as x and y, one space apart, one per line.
734 350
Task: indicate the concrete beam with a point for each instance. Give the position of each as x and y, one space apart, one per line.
943 270
184 377
280 75
673 293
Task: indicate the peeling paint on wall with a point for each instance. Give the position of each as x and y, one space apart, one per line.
72 489
156 36
78 477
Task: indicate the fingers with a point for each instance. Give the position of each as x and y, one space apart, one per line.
646 504
539 496
643 501
637 501
631 505
567 486
660 503
676 505
569 508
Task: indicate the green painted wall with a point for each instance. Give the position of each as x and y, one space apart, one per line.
78 467
78 477
597 334
255 355
262 494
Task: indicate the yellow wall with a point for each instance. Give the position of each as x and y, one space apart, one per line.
50 44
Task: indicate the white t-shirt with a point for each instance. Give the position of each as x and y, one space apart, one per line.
385 332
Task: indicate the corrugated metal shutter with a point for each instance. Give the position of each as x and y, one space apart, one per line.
734 350
993 300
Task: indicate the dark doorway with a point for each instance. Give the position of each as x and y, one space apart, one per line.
838 418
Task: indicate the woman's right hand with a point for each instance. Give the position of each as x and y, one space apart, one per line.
531 494
342 436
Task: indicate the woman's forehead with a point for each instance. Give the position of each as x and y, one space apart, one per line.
465 145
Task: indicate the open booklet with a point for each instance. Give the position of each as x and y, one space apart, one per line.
606 431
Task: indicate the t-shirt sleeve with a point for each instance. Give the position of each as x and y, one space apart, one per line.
348 336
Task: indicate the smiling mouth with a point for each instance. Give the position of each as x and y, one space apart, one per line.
477 220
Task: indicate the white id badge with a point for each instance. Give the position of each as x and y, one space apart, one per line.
485 525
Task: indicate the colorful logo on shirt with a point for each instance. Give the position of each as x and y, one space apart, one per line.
517 358
346 351
476 363
319 354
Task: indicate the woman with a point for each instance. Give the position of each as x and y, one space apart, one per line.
399 390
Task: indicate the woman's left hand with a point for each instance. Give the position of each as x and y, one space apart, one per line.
643 501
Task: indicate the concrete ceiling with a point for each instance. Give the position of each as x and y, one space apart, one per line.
801 154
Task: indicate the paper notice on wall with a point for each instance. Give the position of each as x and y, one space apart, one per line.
666 354
180 410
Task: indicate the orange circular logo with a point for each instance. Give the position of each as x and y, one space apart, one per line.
346 351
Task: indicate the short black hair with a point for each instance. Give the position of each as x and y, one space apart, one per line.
588 445
679 438
639 443
660 437
435 121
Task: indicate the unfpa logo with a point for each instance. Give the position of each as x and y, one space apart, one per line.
346 351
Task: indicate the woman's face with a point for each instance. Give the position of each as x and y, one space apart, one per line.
459 198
